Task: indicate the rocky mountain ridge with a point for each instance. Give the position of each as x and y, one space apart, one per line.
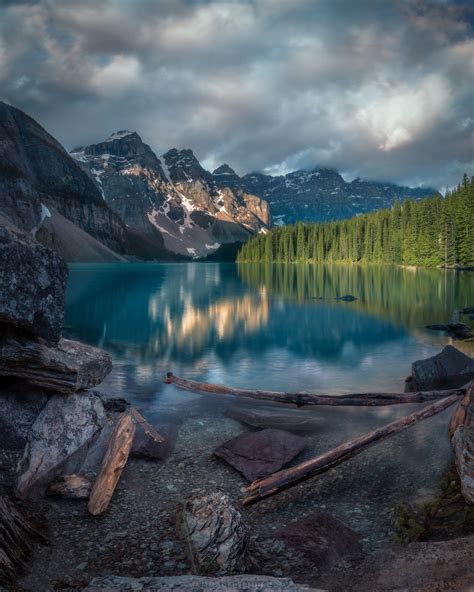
317 195
173 195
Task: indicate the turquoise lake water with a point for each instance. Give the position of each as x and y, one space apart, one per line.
279 327
261 326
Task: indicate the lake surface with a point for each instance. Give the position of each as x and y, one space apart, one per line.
279 327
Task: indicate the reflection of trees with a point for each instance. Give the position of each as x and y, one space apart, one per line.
185 313
412 298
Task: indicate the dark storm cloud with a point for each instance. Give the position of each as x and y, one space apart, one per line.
377 89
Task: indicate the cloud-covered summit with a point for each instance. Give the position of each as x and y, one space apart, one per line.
381 90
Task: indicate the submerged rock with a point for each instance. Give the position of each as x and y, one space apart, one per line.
461 431
64 425
258 454
268 417
67 368
450 368
321 539
19 408
33 284
240 583
215 535
456 330
467 310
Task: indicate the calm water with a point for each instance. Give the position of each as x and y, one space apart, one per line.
265 327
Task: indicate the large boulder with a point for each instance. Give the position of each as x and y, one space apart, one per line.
258 454
240 583
64 426
449 368
214 533
66 368
33 284
461 432
321 539
19 408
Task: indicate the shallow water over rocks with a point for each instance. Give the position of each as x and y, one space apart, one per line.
262 327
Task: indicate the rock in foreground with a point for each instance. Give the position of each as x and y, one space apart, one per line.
214 533
258 454
67 368
461 430
33 285
63 427
241 583
448 368
321 539
19 407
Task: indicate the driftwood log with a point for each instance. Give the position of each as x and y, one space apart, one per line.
113 463
273 484
16 537
302 399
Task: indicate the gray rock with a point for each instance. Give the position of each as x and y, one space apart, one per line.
215 535
449 368
240 583
33 284
67 368
462 441
19 408
321 539
65 424
258 454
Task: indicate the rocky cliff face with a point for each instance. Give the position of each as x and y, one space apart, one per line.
37 177
174 195
318 195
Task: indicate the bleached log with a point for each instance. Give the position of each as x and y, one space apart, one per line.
273 484
302 399
114 461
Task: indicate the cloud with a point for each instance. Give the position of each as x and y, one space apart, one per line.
381 90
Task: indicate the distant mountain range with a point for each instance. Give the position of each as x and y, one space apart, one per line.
318 195
117 200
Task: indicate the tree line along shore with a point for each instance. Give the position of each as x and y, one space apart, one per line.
431 232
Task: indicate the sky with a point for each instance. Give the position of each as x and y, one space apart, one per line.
378 89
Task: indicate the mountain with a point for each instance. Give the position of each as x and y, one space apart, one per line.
45 192
173 195
318 195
